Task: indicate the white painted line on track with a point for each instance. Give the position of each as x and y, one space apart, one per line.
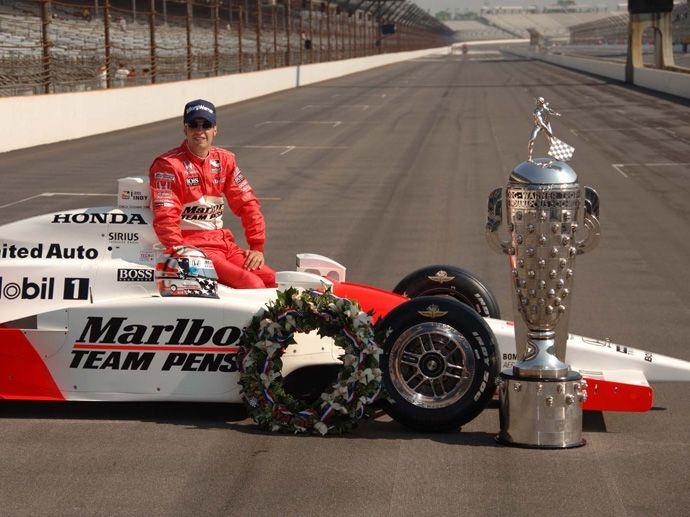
619 166
376 95
357 106
576 133
631 128
52 194
606 129
334 123
286 148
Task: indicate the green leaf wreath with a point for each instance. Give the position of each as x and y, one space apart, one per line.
272 330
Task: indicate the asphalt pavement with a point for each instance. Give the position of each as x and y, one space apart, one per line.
386 171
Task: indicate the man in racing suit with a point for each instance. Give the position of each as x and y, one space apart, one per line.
187 188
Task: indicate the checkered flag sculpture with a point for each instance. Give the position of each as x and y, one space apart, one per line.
559 150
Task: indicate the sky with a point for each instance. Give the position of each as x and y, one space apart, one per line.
434 6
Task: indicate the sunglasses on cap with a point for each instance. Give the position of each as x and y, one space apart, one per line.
198 125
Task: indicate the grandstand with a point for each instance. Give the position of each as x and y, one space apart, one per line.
552 24
614 29
472 30
579 27
49 46
63 48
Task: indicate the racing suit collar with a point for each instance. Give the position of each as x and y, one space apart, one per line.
195 157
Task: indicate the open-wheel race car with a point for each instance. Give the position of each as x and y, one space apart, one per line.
86 316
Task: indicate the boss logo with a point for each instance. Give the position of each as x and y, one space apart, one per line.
192 182
135 275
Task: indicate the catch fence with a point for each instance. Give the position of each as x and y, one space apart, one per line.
56 46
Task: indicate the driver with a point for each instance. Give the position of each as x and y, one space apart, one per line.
187 188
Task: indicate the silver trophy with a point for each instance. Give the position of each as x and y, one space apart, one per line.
540 397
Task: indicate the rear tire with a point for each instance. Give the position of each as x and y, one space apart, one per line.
439 363
446 280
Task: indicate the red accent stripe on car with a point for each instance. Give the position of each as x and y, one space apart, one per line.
369 298
617 396
23 374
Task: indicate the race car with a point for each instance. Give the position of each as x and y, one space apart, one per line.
86 316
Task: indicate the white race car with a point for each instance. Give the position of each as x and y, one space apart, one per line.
82 319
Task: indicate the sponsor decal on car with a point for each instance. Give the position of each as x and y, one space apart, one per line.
509 359
99 218
184 331
189 344
43 289
50 251
133 195
148 255
135 275
123 237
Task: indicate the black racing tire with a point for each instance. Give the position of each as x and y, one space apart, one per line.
439 363
447 280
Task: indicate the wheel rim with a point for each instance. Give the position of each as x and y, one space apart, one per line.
431 365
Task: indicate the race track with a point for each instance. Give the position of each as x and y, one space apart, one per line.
387 171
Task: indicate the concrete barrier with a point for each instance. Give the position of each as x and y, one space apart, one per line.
46 119
673 83
664 81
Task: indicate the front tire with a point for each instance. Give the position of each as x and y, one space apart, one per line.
439 363
447 280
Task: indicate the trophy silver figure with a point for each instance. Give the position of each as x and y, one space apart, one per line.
540 397
541 115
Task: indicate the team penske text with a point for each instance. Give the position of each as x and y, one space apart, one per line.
142 361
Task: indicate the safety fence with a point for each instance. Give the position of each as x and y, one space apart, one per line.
58 46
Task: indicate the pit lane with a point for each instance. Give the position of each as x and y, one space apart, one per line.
387 171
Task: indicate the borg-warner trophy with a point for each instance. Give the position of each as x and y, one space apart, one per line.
540 396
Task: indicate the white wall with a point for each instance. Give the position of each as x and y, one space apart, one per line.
673 83
44 119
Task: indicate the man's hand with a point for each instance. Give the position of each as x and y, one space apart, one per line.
253 260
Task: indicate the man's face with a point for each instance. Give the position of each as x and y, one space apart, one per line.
199 134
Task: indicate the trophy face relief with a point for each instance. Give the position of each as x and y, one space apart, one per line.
543 251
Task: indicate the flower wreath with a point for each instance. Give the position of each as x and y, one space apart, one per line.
272 330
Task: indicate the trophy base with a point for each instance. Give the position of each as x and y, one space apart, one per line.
541 413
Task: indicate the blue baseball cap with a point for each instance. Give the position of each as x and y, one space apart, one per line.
199 109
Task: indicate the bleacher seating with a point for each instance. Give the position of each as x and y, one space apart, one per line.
553 25
472 30
614 29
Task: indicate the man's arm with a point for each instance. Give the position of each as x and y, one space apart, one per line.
551 112
244 204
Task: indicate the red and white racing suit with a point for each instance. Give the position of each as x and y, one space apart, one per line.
187 201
